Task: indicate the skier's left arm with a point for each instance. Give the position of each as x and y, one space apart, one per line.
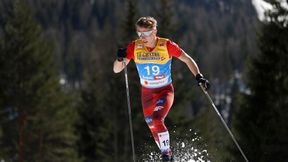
193 67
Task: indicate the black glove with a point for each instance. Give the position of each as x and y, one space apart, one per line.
202 81
121 54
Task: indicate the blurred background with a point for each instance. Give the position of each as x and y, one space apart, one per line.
61 102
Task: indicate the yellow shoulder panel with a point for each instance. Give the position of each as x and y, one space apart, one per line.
158 55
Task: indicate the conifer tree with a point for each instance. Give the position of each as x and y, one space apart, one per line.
95 126
103 128
165 15
38 117
262 117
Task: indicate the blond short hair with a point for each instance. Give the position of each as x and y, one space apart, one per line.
146 22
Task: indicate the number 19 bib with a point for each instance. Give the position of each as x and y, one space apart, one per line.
154 67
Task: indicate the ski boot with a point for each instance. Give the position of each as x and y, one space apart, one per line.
167 158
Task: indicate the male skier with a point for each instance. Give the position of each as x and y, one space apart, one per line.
153 57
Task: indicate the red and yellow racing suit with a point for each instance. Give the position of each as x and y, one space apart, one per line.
154 70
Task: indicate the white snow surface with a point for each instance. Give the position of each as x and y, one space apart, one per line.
261 6
183 150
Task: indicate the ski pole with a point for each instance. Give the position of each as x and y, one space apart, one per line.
223 122
129 110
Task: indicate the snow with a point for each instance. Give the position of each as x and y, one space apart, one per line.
284 4
184 151
261 6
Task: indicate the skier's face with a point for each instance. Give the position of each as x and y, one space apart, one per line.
146 35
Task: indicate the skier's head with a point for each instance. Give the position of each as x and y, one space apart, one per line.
146 28
146 22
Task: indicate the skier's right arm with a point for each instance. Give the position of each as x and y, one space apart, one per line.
118 63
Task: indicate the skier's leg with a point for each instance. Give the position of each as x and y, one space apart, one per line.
156 107
157 127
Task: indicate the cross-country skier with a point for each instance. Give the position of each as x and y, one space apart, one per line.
153 57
